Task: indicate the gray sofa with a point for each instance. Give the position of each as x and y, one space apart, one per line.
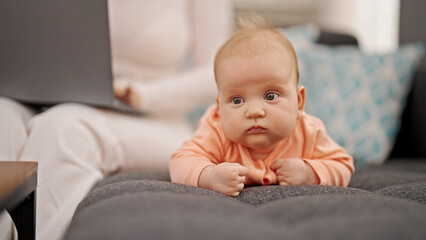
385 202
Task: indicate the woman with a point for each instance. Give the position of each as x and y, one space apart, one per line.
77 145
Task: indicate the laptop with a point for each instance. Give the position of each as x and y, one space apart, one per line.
56 51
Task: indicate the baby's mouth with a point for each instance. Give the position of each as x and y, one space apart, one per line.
256 130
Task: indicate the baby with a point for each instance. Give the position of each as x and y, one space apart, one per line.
257 133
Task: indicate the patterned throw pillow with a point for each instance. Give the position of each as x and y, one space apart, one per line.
359 97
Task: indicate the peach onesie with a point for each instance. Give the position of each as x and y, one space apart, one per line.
309 141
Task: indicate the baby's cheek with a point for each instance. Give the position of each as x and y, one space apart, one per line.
284 126
230 130
233 134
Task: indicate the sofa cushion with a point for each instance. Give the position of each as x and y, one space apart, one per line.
359 96
163 215
386 202
176 216
412 191
156 209
353 217
390 174
260 195
120 188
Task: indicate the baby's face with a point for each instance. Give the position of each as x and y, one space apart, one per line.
259 100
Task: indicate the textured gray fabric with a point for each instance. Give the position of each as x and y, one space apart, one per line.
264 194
412 191
302 210
387 202
120 188
347 217
389 174
167 215
360 217
145 175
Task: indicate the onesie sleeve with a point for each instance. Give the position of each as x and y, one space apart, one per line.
204 149
332 164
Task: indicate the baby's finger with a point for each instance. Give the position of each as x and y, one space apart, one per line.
281 179
238 189
275 165
241 179
284 184
235 194
242 171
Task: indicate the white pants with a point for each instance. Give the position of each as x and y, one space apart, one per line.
76 146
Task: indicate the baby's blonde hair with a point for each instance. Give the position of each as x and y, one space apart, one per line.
252 37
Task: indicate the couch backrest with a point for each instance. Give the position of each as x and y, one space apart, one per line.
411 139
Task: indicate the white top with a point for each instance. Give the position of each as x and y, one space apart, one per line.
152 42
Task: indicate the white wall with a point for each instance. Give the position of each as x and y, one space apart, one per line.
375 23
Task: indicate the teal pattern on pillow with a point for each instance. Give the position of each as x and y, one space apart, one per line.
359 97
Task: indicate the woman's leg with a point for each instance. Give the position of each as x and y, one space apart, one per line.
7 228
77 145
148 142
14 118
74 147
13 135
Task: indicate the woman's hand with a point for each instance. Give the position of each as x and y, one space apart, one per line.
124 91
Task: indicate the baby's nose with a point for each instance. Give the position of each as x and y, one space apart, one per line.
255 111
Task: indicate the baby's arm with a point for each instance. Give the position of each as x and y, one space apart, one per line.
331 163
294 171
323 161
199 162
226 178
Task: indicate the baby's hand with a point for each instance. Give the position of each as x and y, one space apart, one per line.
293 171
226 178
123 90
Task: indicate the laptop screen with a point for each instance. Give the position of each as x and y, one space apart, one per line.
54 51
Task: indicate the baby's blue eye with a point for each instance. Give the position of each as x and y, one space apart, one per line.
271 96
237 100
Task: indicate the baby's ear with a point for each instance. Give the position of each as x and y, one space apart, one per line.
301 97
